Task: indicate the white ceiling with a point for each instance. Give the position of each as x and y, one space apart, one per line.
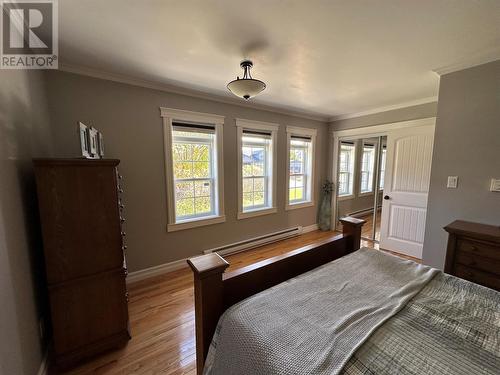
327 58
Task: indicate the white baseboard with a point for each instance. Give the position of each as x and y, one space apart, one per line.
181 263
44 366
310 228
156 270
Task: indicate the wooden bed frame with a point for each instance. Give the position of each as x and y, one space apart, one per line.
215 291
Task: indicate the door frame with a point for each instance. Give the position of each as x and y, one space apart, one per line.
358 133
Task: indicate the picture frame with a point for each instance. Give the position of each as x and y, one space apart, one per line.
93 143
84 139
100 139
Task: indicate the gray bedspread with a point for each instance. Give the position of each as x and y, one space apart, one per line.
312 324
451 327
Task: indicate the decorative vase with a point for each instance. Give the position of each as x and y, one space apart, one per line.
325 208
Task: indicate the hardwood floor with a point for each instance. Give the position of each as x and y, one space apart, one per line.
367 230
162 318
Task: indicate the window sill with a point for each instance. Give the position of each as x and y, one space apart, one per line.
295 206
345 197
259 212
366 194
188 224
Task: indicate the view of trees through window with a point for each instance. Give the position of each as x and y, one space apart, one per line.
298 170
254 173
367 165
193 173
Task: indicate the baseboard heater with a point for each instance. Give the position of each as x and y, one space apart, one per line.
364 212
256 241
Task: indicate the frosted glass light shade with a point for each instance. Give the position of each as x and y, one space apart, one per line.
246 88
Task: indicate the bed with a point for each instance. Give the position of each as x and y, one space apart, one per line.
334 309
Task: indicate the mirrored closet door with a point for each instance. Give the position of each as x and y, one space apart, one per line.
361 169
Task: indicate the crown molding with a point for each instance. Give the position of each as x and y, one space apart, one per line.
430 99
480 58
377 130
90 72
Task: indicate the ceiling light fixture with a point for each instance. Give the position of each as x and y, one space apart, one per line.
246 87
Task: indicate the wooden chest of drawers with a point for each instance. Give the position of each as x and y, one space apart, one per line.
474 253
81 217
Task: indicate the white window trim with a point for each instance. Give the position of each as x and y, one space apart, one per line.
360 162
355 170
291 130
243 124
366 194
170 115
346 197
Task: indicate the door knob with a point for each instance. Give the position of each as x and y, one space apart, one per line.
386 197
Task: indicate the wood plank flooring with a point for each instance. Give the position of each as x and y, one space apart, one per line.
162 318
367 229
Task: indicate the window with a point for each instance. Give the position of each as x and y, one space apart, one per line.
347 158
194 176
193 158
366 170
382 167
255 170
300 167
257 166
298 184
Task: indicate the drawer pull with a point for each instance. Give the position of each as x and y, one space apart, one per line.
124 247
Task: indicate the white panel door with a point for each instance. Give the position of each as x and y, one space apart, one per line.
406 186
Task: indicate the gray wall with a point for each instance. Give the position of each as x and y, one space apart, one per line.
467 144
24 133
129 118
387 117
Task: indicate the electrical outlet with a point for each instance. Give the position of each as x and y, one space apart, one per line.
452 182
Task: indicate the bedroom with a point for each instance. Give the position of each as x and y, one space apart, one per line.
332 70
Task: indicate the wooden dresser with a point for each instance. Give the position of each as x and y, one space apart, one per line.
474 253
81 217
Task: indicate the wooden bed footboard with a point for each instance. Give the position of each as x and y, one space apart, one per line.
215 291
